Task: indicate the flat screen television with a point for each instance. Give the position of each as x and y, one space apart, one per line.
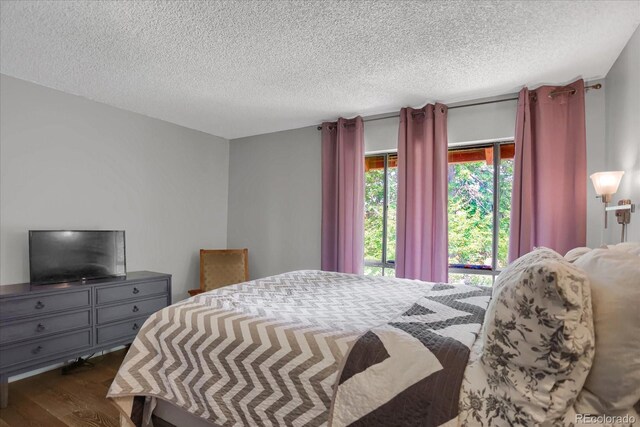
57 256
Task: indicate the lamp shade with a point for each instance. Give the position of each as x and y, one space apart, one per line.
606 183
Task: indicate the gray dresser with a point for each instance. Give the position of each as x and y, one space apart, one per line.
45 324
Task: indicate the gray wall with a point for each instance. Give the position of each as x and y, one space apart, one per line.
275 189
596 134
275 200
623 132
70 163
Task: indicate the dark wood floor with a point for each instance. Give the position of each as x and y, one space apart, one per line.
77 399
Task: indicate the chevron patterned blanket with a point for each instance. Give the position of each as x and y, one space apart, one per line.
308 348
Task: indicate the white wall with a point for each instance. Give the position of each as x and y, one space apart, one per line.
465 124
70 163
275 200
482 122
623 132
275 190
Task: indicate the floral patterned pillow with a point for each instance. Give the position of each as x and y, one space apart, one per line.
537 345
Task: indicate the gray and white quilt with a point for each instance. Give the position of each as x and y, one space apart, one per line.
308 348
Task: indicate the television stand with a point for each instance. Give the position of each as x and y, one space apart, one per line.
41 325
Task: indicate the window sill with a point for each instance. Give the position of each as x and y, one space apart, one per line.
474 271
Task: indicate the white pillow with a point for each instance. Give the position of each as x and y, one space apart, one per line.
537 339
576 253
613 383
628 247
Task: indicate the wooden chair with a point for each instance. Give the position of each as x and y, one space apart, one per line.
222 267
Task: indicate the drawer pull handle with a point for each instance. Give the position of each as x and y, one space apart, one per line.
40 327
136 290
36 350
39 305
135 308
135 326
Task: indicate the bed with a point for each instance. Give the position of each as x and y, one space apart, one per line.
306 348
313 348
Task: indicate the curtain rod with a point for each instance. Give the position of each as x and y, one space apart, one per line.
473 104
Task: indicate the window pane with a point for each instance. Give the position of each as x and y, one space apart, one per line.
373 208
390 272
504 211
470 206
392 182
471 279
372 271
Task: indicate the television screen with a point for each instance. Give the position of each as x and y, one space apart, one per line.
57 256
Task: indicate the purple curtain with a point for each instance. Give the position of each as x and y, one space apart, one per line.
421 251
343 196
549 202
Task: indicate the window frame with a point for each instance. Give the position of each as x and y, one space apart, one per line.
385 263
495 235
495 144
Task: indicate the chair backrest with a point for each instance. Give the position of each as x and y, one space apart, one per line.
222 267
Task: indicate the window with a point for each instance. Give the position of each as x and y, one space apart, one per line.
380 200
480 178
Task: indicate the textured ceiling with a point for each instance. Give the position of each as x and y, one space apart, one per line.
238 68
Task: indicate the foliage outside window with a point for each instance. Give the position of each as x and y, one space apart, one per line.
381 198
480 177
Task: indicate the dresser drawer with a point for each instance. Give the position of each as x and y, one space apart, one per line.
113 332
44 348
130 309
125 292
44 326
44 304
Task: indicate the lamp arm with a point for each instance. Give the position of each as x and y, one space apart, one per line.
631 207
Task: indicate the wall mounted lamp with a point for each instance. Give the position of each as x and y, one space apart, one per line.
606 184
